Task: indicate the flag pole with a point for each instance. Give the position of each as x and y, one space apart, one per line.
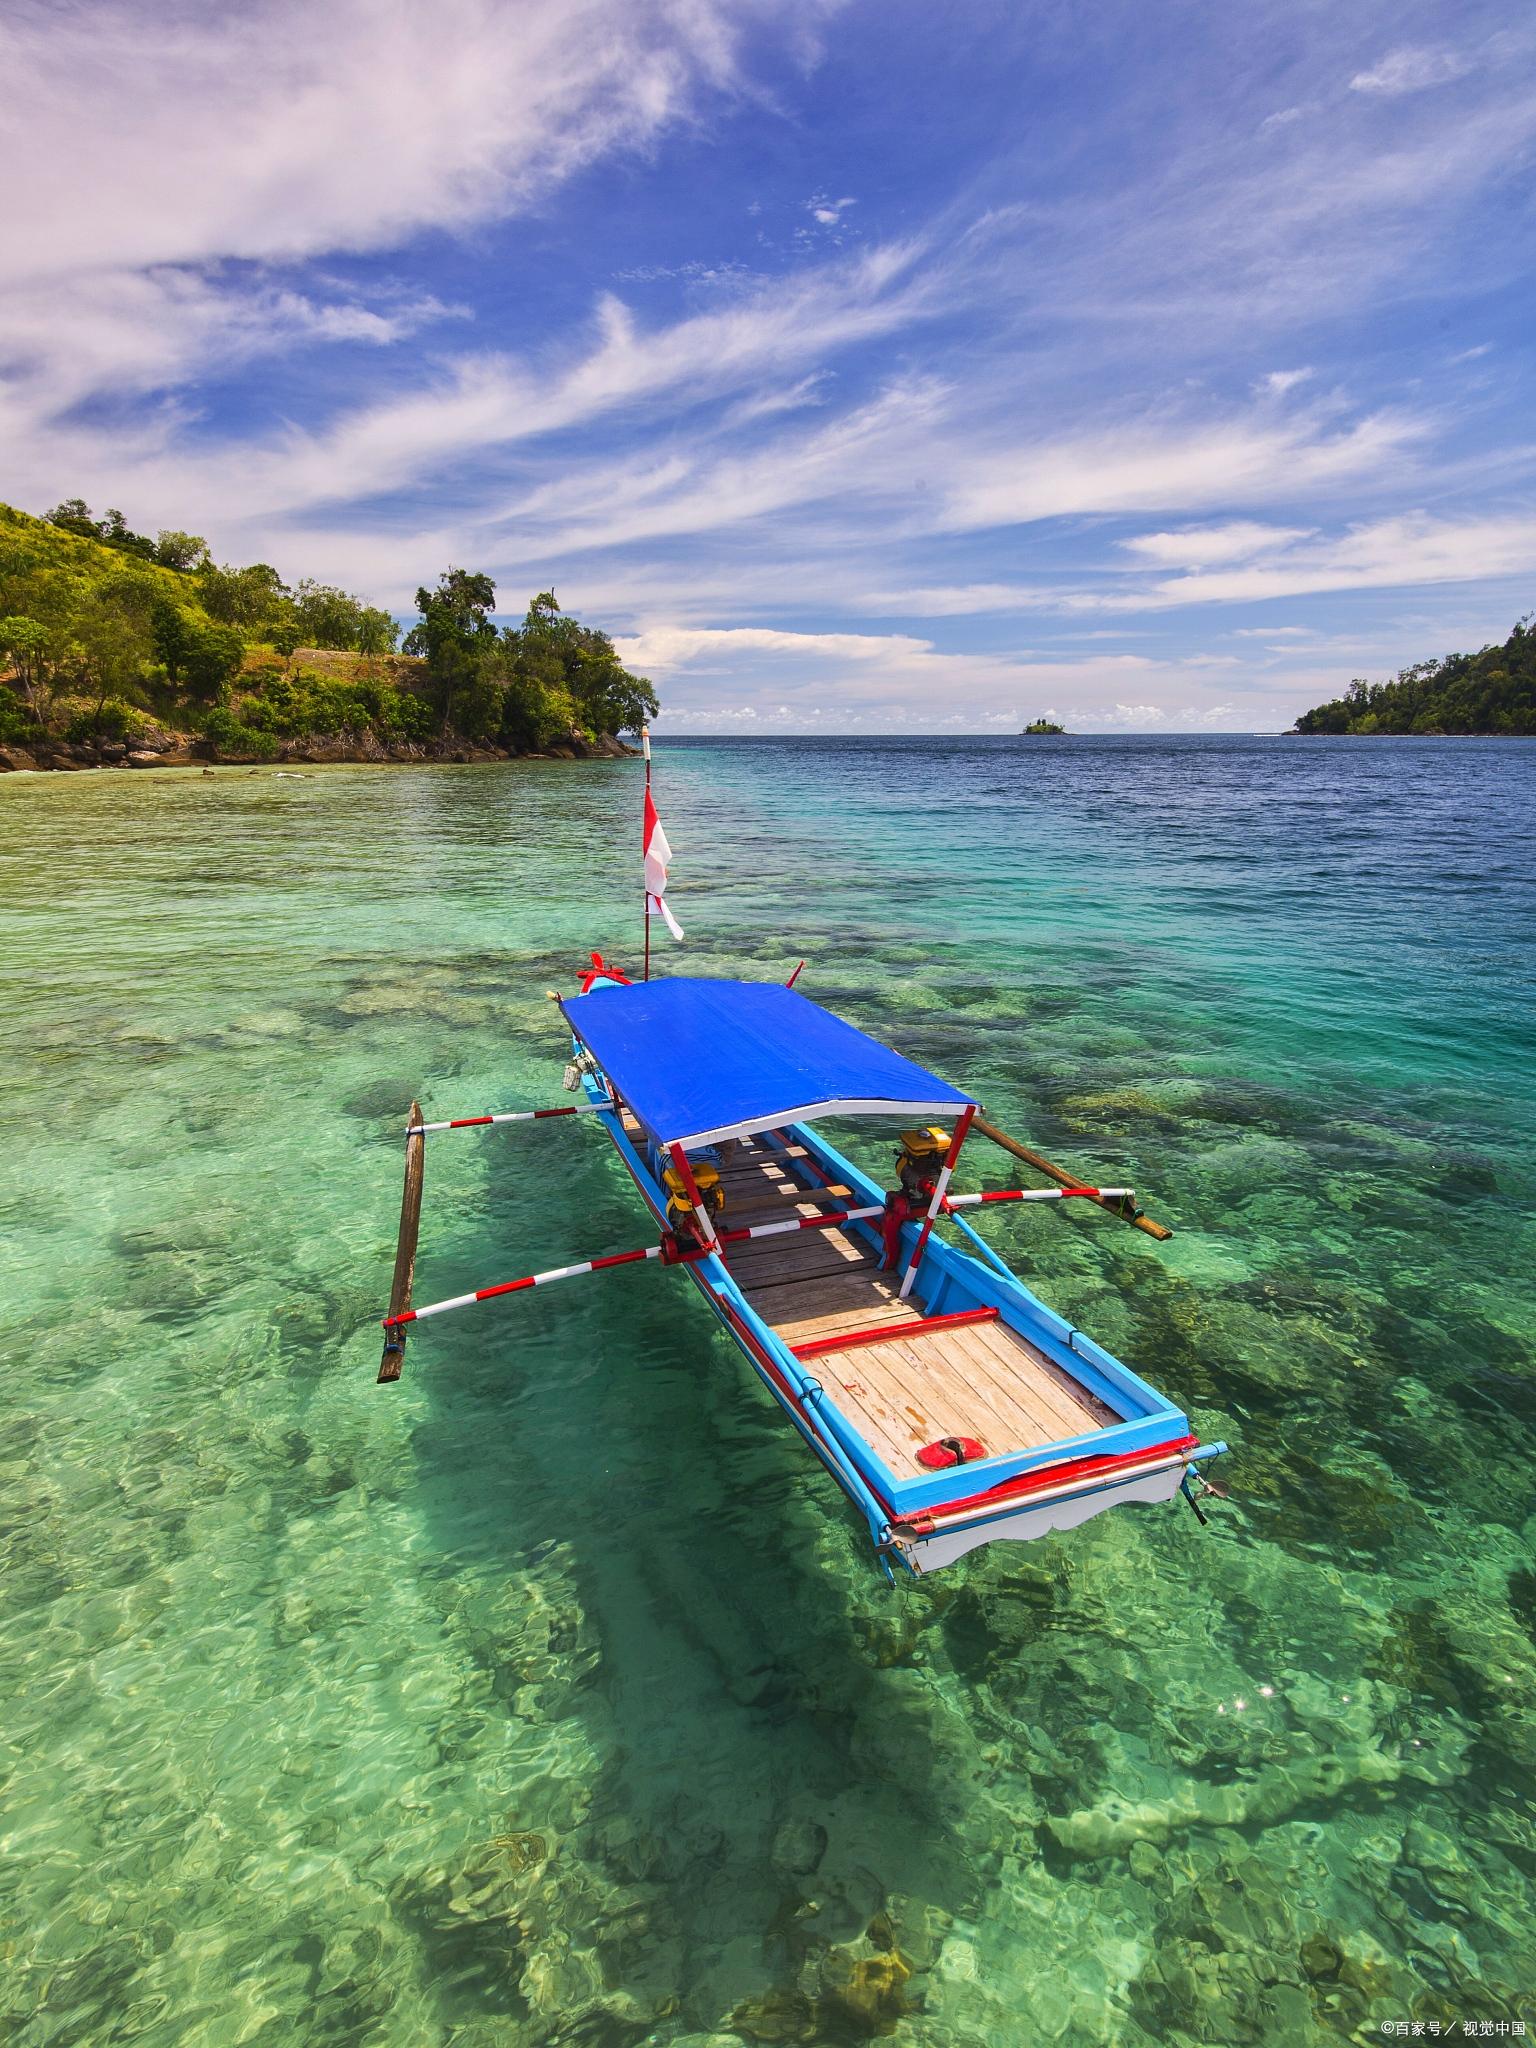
645 747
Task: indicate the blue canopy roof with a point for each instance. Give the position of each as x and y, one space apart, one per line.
702 1060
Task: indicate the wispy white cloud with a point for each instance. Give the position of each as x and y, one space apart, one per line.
280 130
1380 554
1397 552
480 403
155 177
669 647
129 332
948 600
1139 467
828 212
1411 70
1204 547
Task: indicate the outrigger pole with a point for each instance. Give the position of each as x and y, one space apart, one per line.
405 1249
1113 1199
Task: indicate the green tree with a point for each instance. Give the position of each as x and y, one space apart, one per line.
457 637
377 631
537 708
117 533
255 598
327 616
26 644
113 645
1493 691
563 675
212 660
172 627
74 515
184 551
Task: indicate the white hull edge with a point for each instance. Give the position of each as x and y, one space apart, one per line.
931 1553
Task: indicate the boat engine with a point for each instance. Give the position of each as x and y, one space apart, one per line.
706 1179
918 1162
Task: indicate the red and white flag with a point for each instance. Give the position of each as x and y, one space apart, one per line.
657 853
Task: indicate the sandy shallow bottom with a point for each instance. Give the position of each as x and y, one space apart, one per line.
551 1696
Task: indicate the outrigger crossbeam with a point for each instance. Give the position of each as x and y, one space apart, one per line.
410 1214
673 1251
504 1116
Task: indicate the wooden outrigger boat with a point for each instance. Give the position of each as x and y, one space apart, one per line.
948 1401
952 1406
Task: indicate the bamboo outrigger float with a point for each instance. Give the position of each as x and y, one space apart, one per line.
952 1406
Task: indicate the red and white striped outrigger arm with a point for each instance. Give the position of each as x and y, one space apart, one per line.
672 1253
669 1251
507 1116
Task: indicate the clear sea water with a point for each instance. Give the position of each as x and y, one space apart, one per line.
552 1697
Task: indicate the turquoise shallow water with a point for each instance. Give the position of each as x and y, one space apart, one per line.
551 1696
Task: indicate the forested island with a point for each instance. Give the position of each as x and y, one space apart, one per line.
1491 693
1042 728
115 647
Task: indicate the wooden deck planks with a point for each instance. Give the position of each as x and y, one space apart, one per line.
834 1309
822 1304
950 1401
981 1380
945 1382
768 1204
1003 1344
770 1262
917 1389
1010 1392
880 1412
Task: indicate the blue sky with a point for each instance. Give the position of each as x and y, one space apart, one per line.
863 367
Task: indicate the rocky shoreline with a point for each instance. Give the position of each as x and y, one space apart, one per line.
186 750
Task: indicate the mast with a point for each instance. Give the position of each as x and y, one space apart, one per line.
645 747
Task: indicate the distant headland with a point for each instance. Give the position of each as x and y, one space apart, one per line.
1490 694
117 650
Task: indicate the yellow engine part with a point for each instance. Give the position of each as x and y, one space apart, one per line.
925 1146
706 1180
